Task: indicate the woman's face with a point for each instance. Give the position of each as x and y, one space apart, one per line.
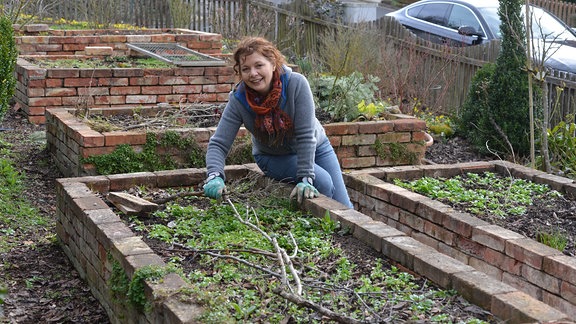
256 71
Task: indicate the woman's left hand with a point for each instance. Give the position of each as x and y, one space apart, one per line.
304 190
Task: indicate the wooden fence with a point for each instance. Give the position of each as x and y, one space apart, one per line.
442 77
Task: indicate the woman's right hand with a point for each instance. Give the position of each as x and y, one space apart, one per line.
214 188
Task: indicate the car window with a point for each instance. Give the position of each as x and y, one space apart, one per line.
546 26
462 16
433 12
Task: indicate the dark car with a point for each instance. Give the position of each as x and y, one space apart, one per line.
473 22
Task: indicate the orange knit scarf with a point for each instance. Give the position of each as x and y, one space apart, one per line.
272 125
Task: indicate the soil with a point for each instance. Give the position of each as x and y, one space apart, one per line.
43 286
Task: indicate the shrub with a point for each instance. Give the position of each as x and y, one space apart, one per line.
471 121
562 148
8 56
340 96
503 117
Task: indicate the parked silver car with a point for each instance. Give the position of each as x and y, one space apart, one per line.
473 22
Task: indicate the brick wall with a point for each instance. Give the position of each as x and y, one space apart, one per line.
93 237
538 270
40 88
70 140
74 42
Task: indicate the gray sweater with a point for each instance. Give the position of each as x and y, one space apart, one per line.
297 102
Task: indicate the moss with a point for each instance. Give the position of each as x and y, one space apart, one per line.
396 152
125 159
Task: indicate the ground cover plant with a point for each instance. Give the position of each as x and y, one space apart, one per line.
99 63
533 210
254 258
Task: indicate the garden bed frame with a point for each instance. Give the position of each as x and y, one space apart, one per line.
534 268
95 238
400 140
38 89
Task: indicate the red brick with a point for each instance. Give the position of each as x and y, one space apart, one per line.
561 266
159 72
224 88
402 125
169 80
341 129
469 247
363 162
35 92
163 38
125 90
376 127
60 92
186 89
130 138
73 48
439 233
96 151
113 82
335 141
113 38
54 83
395 137
187 71
199 45
219 70
37 120
138 38
93 91
148 80
63 73
110 100
128 72
494 236
79 82
52 101
48 47
140 99
358 139
34 39
541 279
530 252
98 50
156 90
37 83
202 80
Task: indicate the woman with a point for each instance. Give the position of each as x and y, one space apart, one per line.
276 106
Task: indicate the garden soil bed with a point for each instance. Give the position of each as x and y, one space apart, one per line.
57 294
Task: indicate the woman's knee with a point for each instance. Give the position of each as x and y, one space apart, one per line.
325 185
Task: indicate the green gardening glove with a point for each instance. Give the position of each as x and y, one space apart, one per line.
214 188
304 190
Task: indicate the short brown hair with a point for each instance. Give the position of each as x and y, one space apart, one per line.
249 45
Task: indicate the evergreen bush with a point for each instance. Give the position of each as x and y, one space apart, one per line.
496 116
8 56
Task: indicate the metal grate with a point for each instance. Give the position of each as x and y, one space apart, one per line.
176 54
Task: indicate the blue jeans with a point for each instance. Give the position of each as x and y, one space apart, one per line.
328 180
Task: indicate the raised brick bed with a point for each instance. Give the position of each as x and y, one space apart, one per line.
534 268
358 145
94 238
40 88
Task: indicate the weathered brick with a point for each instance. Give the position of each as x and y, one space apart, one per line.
530 252
118 138
341 129
493 236
518 307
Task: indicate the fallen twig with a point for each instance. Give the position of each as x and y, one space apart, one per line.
176 196
298 300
